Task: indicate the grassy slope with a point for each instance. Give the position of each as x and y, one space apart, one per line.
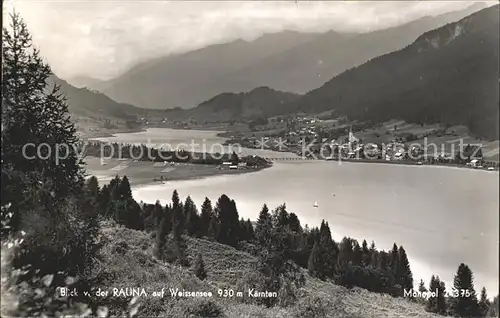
127 257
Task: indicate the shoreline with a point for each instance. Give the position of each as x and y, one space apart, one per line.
110 133
143 173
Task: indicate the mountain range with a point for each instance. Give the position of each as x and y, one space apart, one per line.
287 61
83 102
449 75
257 103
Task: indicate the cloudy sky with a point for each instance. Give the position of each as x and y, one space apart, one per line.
101 39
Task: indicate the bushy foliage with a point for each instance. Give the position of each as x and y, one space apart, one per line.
204 308
369 278
199 268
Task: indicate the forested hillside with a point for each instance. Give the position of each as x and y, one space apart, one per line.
448 75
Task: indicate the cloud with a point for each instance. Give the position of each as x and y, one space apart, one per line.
103 38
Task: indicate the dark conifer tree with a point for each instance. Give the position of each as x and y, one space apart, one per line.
177 250
441 299
465 305
104 199
178 218
46 192
373 255
35 112
205 217
161 237
227 215
294 223
213 228
366 253
484 303
128 213
93 187
394 263
494 310
432 302
345 253
314 263
243 234
421 286
264 226
157 213
199 268
328 251
405 275
280 217
357 254
124 190
192 217
114 188
249 230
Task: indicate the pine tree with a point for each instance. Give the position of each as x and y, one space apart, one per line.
405 275
114 188
494 311
243 234
394 263
213 228
199 268
227 215
206 216
32 114
366 253
465 305
192 217
441 300
328 249
93 187
124 190
484 303
357 254
157 213
280 217
104 199
161 237
178 217
421 286
373 255
432 302
127 212
249 230
314 263
46 191
263 227
345 253
177 252
294 223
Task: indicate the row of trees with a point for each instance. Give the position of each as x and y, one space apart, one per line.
283 246
146 153
463 300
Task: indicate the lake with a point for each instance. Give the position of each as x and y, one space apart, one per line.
442 216
192 140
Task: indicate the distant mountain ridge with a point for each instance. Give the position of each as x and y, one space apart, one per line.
88 103
448 75
257 103
288 61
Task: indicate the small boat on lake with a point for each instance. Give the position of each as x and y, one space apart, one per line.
315 204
